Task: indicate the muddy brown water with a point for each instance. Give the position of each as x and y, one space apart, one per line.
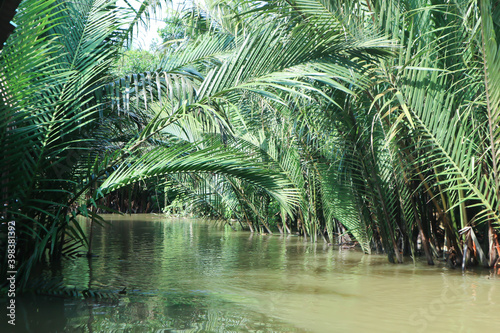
187 275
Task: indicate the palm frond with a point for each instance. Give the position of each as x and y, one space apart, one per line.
215 159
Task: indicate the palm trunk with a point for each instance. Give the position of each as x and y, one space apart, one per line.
494 248
425 240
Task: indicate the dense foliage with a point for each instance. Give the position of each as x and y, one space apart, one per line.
376 121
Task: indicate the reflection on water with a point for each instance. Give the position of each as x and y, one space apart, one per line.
191 276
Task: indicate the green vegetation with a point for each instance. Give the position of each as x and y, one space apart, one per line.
133 62
371 120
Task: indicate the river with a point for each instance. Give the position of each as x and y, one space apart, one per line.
188 275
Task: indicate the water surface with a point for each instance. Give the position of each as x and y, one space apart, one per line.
186 275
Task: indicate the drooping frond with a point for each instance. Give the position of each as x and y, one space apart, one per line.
215 159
